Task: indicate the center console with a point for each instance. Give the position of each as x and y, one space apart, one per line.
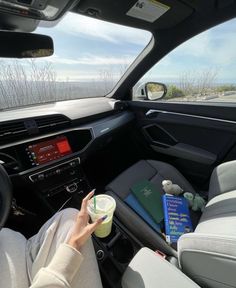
52 169
61 182
114 253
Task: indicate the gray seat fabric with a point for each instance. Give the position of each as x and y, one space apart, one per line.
208 255
147 270
154 171
223 179
119 188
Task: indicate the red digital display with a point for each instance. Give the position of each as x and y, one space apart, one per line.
47 151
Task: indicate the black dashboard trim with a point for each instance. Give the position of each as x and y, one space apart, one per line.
54 166
45 136
98 129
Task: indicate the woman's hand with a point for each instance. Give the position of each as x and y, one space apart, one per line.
82 229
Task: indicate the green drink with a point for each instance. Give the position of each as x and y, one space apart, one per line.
100 206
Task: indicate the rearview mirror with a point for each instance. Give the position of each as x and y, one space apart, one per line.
25 45
155 91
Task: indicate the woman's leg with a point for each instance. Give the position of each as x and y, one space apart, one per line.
41 249
13 272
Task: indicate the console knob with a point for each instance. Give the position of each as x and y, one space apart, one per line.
72 187
72 164
58 171
100 254
41 177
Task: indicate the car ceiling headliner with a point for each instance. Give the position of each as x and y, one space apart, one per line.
115 11
180 11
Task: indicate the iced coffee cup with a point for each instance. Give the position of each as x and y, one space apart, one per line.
100 206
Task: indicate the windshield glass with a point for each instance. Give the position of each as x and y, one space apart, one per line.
90 56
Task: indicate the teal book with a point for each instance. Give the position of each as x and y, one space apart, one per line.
150 198
132 201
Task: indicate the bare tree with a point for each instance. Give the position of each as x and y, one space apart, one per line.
110 75
23 83
106 77
33 81
187 83
199 83
206 81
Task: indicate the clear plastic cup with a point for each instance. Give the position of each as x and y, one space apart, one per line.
105 205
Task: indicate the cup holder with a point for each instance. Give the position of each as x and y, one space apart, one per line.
123 250
110 236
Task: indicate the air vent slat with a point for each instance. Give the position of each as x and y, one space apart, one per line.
50 123
12 133
16 130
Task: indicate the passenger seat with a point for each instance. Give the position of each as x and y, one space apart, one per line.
119 188
208 255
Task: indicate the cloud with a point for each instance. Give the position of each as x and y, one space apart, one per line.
215 46
92 60
213 49
88 27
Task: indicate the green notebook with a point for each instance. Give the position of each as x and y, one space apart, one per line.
150 198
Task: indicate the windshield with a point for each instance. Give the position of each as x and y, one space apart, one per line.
90 56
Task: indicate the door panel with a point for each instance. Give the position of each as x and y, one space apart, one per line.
193 143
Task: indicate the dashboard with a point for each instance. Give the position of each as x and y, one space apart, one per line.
51 164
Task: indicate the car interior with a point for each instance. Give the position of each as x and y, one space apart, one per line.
113 142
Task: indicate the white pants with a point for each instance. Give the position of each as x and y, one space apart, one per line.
21 259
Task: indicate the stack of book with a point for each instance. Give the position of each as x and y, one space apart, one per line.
156 209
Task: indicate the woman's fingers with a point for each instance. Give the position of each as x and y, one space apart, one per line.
85 201
94 225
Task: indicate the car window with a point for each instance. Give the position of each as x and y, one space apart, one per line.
90 56
201 69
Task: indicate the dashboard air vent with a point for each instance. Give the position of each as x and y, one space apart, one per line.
52 123
12 130
21 129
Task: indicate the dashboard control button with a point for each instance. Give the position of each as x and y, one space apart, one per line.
41 177
72 164
56 170
72 172
71 188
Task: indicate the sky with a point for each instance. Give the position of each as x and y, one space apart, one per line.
87 49
213 50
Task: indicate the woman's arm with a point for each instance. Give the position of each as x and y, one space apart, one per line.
67 259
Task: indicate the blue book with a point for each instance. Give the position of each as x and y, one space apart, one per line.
177 217
137 207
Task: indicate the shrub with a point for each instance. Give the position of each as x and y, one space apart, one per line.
227 87
174 92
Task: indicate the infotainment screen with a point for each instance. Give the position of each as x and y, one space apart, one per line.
44 152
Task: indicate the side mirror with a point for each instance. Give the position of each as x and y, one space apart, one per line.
155 91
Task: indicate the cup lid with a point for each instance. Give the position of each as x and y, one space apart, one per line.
104 204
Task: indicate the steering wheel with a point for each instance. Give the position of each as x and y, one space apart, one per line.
5 195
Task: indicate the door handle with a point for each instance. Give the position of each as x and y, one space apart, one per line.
152 113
